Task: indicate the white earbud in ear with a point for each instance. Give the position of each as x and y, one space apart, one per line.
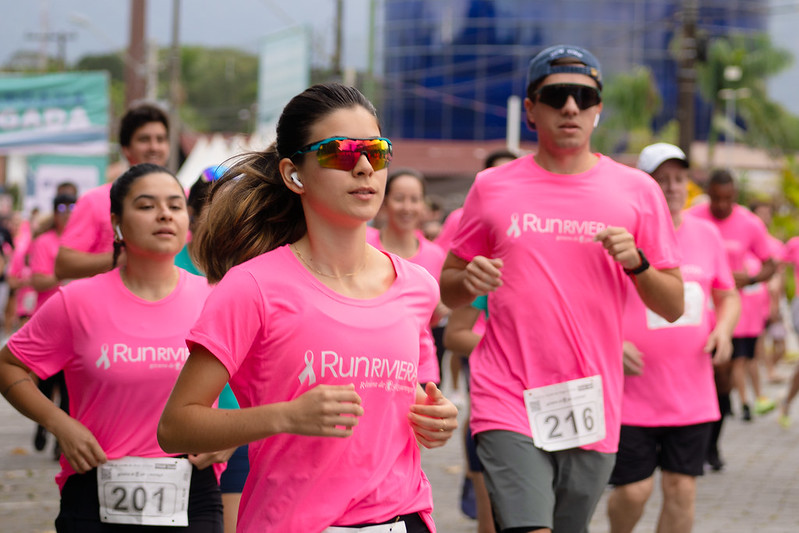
295 179
596 120
118 231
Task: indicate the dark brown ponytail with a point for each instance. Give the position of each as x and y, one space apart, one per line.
250 210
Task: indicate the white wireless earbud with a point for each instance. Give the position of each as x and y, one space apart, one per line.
596 120
295 179
118 231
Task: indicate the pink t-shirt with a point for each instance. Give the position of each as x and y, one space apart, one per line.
42 253
121 356
760 291
280 332
19 268
449 229
677 387
557 316
431 257
89 227
743 233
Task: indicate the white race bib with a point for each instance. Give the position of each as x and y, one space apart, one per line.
695 310
149 491
566 415
395 527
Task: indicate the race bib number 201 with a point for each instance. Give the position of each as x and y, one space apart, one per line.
566 415
144 491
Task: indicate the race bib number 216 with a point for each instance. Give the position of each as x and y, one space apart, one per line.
566 415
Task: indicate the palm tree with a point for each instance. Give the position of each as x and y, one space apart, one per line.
743 63
631 101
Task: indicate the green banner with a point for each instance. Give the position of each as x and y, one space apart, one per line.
54 113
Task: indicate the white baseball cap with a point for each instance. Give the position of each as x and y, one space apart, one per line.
656 154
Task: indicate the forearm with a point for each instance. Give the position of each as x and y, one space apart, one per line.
44 282
461 342
22 393
767 270
200 429
728 311
454 292
662 292
73 264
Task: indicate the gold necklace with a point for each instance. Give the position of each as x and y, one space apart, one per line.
306 263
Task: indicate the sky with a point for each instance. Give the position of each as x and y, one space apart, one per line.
102 26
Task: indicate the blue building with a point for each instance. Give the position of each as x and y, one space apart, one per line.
450 65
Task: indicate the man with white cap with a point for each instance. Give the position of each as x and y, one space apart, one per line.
554 238
669 394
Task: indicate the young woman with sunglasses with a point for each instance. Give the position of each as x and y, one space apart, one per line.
318 333
120 339
404 205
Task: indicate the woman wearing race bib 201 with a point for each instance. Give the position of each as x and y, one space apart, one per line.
120 339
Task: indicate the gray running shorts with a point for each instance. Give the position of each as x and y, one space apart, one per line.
532 488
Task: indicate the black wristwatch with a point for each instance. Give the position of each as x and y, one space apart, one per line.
643 266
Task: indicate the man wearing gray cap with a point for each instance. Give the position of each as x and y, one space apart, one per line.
670 403
554 238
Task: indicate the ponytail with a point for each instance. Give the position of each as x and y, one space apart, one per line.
250 211
117 251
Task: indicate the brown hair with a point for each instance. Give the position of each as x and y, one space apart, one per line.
250 210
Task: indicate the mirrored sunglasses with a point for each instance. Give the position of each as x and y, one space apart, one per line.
65 208
556 95
343 153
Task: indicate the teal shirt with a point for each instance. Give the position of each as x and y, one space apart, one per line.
481 303
183 260
227 400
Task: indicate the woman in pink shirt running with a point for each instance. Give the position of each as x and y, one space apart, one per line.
318 333
120 339
404 206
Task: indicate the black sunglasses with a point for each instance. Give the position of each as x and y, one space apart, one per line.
556 95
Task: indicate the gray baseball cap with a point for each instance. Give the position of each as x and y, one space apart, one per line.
541 65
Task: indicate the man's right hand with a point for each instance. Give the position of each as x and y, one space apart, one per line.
483 275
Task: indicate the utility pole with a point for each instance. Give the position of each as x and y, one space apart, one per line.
370 88
174 89
686 75
135 79
60 37
339 21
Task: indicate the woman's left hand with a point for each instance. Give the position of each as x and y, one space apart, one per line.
434 418
204 460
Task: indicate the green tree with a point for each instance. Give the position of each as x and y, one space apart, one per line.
630 102
219 87
754 59
115 66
